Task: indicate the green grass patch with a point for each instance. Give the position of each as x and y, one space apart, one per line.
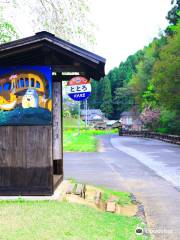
124 198
85 141
102 132
32 220
79 143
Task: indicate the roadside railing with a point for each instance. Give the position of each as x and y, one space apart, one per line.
163 137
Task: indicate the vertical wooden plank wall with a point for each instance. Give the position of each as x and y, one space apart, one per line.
26 160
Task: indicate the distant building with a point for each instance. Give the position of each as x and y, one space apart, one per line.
112 123
130 120
93 115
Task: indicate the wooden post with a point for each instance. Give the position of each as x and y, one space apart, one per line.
57 129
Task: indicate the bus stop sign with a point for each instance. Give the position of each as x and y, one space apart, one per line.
78 88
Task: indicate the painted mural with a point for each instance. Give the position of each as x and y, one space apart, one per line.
25 95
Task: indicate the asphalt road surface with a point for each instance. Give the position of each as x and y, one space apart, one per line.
150 169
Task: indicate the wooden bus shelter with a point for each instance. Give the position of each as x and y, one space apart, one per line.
31 157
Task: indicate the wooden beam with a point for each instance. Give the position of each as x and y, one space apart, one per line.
60 77
18 50
68 68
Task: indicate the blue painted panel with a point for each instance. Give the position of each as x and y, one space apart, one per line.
79 96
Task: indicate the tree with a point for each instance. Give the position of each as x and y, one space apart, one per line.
115 78
68 20
106 105
93 99
150 118
119 77
174 18
173 15
166 73
149 97
168 122
123 100
7 31
141 79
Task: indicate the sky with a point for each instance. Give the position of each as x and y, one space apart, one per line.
123 26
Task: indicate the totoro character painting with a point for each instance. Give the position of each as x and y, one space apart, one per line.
30 99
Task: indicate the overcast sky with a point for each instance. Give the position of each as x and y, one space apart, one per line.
126 26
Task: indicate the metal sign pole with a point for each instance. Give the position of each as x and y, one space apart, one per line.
86 112
79 118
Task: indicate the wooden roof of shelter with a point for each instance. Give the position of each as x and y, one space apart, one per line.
45 48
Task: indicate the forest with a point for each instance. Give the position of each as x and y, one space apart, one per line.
148 81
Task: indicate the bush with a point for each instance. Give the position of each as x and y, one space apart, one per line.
169 122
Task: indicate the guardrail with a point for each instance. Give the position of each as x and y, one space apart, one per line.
163 137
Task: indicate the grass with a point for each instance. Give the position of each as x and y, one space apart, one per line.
85 141
102 132
46 220
79 143
124 198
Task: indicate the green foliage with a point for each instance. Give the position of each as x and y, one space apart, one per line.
156 84
169 122
106 105
167 119
174 18
141 80
94 99
66 114
148 79
7 31
166 73
123 99
119 78
149 97
173 14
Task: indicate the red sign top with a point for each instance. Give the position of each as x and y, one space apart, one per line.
78 81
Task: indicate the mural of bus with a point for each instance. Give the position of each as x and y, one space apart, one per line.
26 89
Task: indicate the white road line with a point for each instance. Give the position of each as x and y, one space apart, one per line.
151 152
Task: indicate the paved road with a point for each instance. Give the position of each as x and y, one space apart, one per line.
150 169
